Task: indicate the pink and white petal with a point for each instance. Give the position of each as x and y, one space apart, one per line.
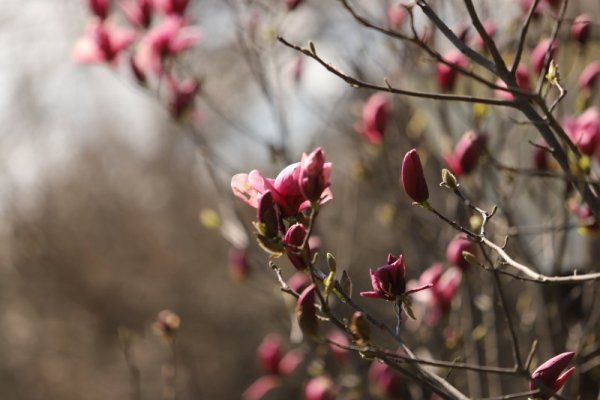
87 52
121 39
244 190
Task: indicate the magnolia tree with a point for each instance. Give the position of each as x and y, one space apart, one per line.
503 106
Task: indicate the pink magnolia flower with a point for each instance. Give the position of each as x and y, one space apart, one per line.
389 281
395 16
138 12
182 96
538 55
523 82
385 381
412 177
285 189
172 7
589 76
467 151
446 75
584 130
171 37
439 298
100 8
551 374
580 29
456 247
102 43
320 388
375 118
314 175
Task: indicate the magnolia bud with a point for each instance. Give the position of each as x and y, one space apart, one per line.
413 180
459 245
293 241
313 179
551 374
580 29
306 312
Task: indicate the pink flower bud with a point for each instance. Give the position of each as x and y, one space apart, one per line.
523 82
538 55
466 153
172 7
589 76
292 4
445 74
102 43
239 267
413 179
320 388
395 16
260 387
167 323
138 12
314 175
298 282
580 29
306 312
385 381
375 118
456 247
551 374
293 241
100 8
269 354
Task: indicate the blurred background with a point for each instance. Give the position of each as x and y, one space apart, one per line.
113 211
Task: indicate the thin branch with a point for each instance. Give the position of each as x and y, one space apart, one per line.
354 82
523 36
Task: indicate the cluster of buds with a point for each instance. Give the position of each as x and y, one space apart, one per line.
298 187
159 30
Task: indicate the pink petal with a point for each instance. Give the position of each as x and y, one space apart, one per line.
86 51
261 387
290 361
243 189
560 382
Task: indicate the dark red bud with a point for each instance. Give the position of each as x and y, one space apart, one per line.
413 179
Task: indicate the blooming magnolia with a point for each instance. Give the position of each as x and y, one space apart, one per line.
466 153
285 188
102 43
446 74
412 177
444 287
375 118
389 281
171 37
551 374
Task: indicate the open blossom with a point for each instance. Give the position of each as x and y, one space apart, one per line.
456 247
285 189
389 281
551 374
171 37
445 74
412 177
589 76
539 53
438 299
375 118
102 43
467 151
